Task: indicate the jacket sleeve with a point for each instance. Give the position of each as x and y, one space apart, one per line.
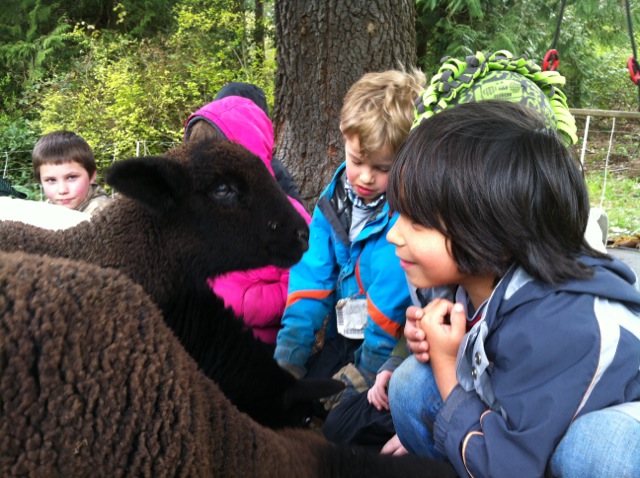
399 353
257 296
312 284
264 304
387 301
544 361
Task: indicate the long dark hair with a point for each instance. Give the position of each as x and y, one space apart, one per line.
500 186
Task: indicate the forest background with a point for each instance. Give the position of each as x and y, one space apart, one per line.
126 74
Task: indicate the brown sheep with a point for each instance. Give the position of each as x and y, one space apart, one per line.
93 383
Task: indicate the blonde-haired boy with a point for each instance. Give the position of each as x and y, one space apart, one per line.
350 272
379 108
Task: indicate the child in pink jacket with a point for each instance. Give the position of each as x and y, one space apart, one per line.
257 296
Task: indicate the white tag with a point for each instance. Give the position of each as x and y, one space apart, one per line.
352 317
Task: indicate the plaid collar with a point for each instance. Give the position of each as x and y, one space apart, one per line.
357 202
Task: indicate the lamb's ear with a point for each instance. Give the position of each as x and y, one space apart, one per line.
159 183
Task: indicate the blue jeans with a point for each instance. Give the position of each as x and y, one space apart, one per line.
605 443
600 444
414 400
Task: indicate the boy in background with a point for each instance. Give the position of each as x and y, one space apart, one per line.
64 165
350 272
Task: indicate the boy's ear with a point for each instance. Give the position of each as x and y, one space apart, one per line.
92 178
159 183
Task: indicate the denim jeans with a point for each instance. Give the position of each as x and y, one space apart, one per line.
414 400
600 444
605 443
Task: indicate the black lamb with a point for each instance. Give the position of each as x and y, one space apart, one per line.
199 211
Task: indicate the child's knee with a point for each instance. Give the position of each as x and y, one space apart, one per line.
410 384
601 443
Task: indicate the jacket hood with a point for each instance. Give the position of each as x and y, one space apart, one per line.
612 280
241 121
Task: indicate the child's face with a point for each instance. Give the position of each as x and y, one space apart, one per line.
368 174
66 184
424 255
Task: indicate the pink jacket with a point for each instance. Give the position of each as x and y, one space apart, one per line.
258 295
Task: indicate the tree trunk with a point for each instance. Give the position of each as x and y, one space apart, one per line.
258 32
323 47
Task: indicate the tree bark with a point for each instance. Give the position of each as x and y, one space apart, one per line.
323 47
258 32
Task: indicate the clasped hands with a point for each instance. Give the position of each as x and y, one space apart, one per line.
434 334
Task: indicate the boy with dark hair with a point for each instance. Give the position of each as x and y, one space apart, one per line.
492 202
64 165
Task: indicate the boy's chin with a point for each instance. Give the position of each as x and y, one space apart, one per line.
368 199
68 205
421 284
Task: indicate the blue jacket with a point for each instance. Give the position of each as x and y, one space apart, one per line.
334 268
540 357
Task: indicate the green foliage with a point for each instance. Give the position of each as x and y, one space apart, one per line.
473 7
17 135
35 39
28 47
609 86
122 71
619 193
123 89
591 31
120 90
140 18
17 138
212 38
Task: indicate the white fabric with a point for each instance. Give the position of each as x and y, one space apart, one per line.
41 214
597 229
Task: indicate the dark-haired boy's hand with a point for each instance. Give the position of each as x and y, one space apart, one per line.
444 324
416 338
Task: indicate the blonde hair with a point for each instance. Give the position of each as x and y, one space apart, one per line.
379 108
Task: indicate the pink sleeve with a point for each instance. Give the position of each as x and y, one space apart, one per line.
258 295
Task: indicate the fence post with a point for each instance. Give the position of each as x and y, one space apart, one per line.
606 163
584 140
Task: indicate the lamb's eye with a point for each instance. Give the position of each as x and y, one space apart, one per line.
223 191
